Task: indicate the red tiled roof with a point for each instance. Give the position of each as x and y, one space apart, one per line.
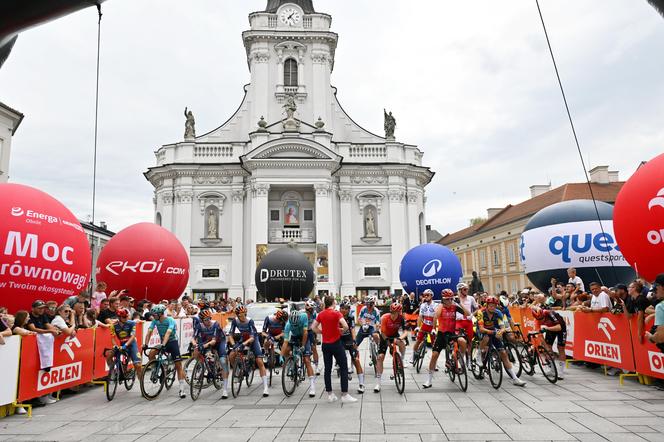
571 191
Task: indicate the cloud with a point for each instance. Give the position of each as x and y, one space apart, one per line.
470 82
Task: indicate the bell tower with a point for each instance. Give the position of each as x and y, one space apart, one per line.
290 51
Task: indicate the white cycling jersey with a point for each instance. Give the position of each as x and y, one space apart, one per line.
469 304
427 313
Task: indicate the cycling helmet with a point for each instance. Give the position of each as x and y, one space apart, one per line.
461 285
158 310
281 315
309 304
294 318
122 313
504 301
395 307
537 312
491 300
428 292
240 309
371 300
447 294
345 304
205 314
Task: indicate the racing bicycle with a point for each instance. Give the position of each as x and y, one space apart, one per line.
455 361
293 371
243 368
418 357
120 370
207 370
398 373
546 360
491 363
157 374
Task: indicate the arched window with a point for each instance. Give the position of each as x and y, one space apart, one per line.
157 219
290 72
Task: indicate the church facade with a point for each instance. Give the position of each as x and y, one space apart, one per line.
290 167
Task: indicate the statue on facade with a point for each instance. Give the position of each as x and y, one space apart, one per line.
290 107
370 224
390 124
212 227
189 125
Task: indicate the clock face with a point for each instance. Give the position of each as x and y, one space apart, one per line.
290 16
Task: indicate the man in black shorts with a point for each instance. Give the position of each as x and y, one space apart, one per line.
348 340
556 330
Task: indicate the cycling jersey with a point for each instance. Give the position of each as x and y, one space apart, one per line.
390 327
347 335
204 334
298 330
246 329
447 318
273 326
163 326
469 304
311 317
125 331
490 322
369 317
551 319
427 312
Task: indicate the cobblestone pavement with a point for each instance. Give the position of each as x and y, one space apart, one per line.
586 406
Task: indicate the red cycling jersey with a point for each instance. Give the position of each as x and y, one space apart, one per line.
390 327
447 318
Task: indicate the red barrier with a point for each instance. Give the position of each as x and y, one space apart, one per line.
649 358
603 338
73 360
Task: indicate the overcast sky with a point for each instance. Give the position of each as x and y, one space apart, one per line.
470 82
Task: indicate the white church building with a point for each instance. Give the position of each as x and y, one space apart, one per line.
291 167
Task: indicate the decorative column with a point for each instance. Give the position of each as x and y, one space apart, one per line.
182 217
259 59
166 199
346 246
324 229
413 219
397 232
237 243
259 226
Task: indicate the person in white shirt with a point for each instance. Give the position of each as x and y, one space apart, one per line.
62 320
577 281
600 301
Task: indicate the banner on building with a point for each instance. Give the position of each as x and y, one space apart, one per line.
322 264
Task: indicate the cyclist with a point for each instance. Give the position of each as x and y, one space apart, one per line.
446 318
167 329
390 324
125 332
310 308
466 322
425 321
490 327
348 339
556 329
209 334
296 334
273 328
508 323
248 336
369 318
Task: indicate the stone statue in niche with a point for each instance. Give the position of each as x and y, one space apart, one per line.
370 224
212 225
290 107
189 125
390 124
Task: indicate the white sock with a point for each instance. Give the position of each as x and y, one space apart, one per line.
312 380
182 383
264 381
361 378
378 379
511 373
226 384
430 376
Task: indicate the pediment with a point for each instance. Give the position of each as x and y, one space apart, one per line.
292 150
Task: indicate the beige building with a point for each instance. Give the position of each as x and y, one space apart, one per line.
491 248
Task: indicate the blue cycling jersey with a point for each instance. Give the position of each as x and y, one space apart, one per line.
246 329
125 331
163 326
370 317
273 326
204 334
297 330
311 317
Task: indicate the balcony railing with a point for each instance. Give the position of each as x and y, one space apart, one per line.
287 234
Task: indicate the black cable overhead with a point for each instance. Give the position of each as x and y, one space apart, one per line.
94 164
576 139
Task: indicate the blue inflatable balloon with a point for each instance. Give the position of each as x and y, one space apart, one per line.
430 266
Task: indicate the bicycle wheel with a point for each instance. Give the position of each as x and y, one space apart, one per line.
217 377
373 355
129 373
251 368
474 366
421 352
527 362
289 376
462 373
238 377
152 380
495 368
197 379
399 375
513 356
189 365
112 383
450 365
271 361
547 363
170 374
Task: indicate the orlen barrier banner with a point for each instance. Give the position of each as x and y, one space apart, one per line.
603 338
73 360
524 317
9 357
569 322
649 358
44 252
104 340
154 339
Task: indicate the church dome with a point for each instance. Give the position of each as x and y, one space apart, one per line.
306 5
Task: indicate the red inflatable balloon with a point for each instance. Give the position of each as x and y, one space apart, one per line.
638 219
147 260
45 253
